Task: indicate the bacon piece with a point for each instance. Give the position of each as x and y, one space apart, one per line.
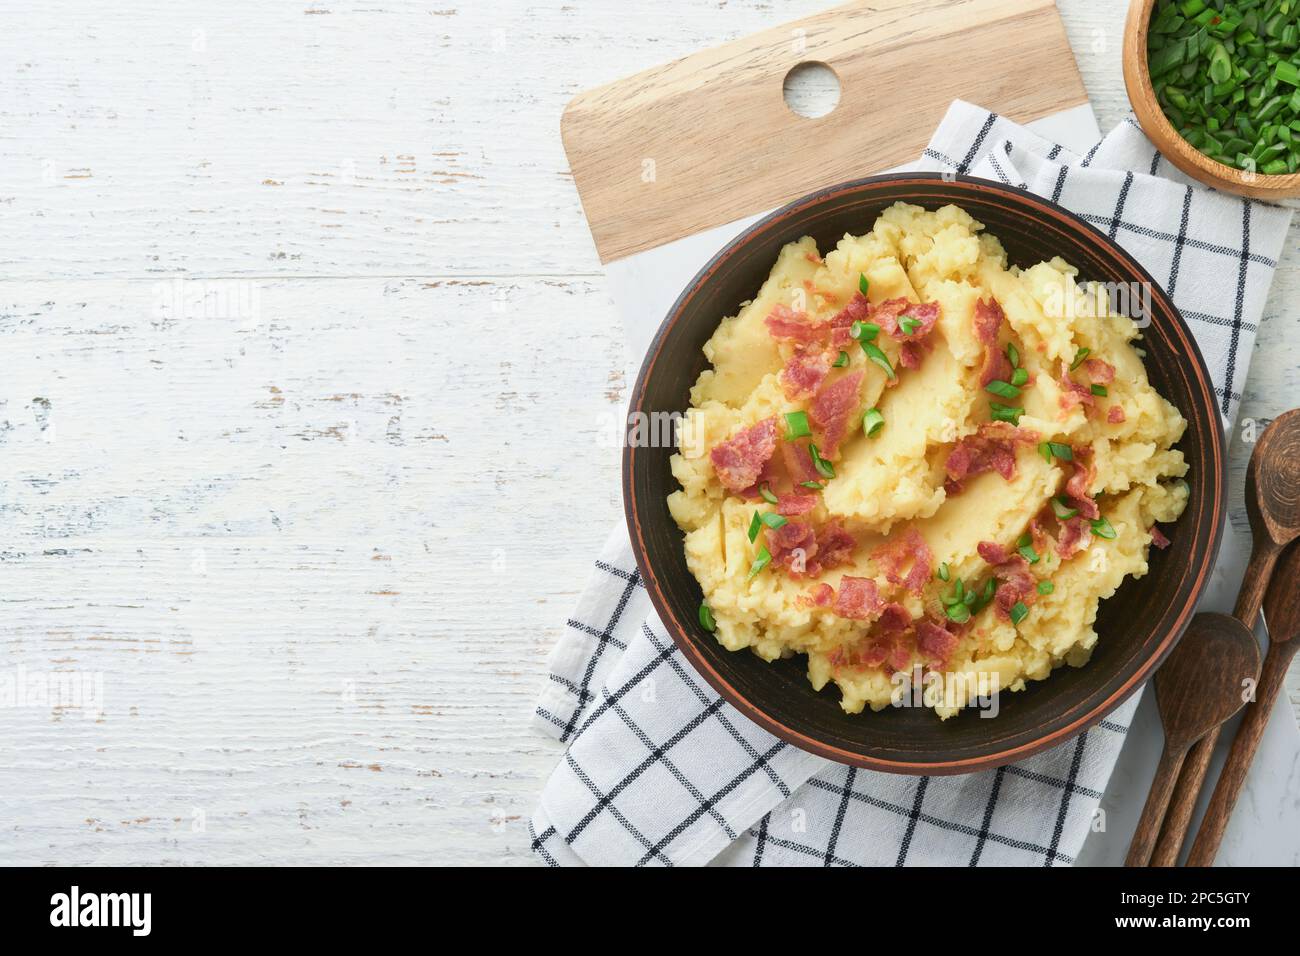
857 310
798 462
935 642
833 405
804 372
793 546
1015 582
823 595
992 448
1074 537
1100 371
988 324
739 460
887 314
1157 537
785 323
835 546
1073 393
1078 487
910 354
894 618
1115 415
795 504
858 599
992 552
900 551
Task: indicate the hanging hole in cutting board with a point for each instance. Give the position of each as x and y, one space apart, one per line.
811 89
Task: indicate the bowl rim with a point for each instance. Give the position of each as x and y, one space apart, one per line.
686 641
1189 159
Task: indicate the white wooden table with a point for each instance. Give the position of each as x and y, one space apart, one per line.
298 455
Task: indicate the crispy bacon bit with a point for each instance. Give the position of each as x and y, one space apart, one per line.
894 618
785 323
910 354
798 462
795 504
835 546
935 642
1074 537
803 550
858 599
1157 537
992 448
903 550
1078 487
1100 371
1115 415
856 311
1015 582
804 372
988 324
739 460
831 408
823 595
887 314
1073 393
992 552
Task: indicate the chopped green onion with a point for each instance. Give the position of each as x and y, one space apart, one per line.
943 571
767 494
1026 548
842 361
824 467
1079 356
864 331
877 356
863 285
1013 355
1046 587
1063 452
1002 389
1102 528
706 618
1045 449
909 324
958 592
990 588
1098 390
1019 376
755 524
959 613
760 562
1018 612
796 424
814 485
1005 413
773 520
873 422
1062 509
1287 73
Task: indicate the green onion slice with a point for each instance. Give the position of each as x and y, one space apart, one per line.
767 494
863 284
706 618
873 422
1018 612
877 356
1102 528
773 520
1062 509
760 562
1005 413
1002 389
959 613
814 485
1046 587
1098 390
1045 449
1019 376
824 467
864 331
909 324
796 424
841 361
1063 452
1079 356
754 525
1026 548
1013 355
943 571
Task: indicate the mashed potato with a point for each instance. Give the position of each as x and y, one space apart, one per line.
909 460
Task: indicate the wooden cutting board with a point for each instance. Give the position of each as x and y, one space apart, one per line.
708 139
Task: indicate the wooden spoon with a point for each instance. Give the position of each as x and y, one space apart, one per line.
1282 607
1272 487
1197 689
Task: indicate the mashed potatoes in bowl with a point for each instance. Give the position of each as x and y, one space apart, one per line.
909 459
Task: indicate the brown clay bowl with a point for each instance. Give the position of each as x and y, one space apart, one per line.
1161 132
1138 626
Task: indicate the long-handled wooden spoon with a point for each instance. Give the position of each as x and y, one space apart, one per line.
1197 689
1272 486
1282 608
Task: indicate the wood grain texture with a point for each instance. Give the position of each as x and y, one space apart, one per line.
129 156
710 140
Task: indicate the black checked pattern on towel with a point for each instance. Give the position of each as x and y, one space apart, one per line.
695 781
849 799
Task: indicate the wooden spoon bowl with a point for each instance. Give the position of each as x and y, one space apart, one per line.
1152 119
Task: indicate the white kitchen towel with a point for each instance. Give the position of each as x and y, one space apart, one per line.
660 771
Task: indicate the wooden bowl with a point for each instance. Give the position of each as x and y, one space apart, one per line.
1138 626
1152 119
